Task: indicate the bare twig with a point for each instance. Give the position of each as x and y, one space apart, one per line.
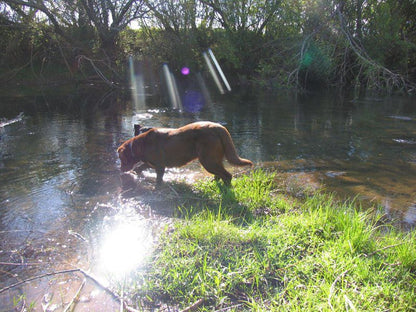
333 288
229 308
68 307
38 277
384 248
349 304
10 74
24 263
173 190
194 306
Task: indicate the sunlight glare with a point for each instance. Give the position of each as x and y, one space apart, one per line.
125 247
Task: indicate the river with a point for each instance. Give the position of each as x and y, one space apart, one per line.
64 206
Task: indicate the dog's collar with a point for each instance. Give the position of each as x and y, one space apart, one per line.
133 155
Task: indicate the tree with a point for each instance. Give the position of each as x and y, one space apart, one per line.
106 17
244 25
254 15
178 31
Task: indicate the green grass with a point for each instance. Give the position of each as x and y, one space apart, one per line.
252 248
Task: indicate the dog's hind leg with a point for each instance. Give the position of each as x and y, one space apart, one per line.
221 173
211 157
217 169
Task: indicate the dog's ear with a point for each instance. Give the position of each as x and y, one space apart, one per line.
138 129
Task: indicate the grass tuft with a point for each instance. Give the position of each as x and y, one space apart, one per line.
252 248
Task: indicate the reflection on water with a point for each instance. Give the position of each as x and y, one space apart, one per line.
125 241
65 205
410 215
124 247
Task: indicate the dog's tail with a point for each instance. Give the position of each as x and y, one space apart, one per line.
230 152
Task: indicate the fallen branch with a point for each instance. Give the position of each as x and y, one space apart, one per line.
96 69
380 73
87 275
108 291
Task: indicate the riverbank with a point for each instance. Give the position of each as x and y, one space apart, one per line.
268 245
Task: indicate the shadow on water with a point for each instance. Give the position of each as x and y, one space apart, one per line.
64 204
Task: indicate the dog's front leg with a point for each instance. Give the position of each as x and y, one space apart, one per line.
160 171
140 168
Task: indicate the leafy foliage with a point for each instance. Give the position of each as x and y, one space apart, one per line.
279 43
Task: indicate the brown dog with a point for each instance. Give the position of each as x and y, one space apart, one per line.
159 148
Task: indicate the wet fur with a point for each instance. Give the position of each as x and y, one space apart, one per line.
159 148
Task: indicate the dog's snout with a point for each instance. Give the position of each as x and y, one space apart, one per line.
124 168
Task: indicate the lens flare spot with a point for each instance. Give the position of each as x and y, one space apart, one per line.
185 71
193 101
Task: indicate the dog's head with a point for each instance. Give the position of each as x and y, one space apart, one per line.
126 155
138 129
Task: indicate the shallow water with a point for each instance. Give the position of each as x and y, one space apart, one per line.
64 204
